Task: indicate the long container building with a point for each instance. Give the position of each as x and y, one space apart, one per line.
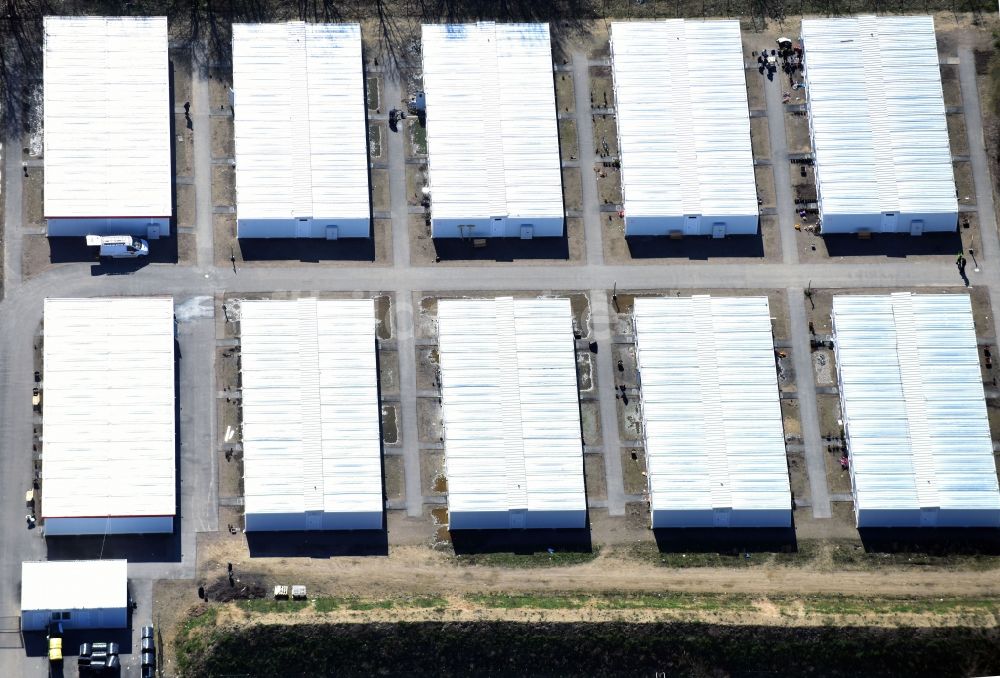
511 412
683 128
107 116
77 594
715 447
312 442
108 414
914 411
878 125
300 131
492 136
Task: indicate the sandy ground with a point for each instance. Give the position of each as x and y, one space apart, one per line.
759 595
419 570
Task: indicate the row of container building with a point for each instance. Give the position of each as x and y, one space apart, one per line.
910 382
876 118
914 414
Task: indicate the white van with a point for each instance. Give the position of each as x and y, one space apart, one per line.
119 246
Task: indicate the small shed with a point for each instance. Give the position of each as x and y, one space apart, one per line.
79 594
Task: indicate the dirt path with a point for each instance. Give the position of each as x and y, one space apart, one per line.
418 570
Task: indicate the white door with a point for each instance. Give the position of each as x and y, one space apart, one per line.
496 227
302 228
719 230
889 221
917 227
692 225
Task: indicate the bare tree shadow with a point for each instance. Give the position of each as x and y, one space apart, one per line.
20 59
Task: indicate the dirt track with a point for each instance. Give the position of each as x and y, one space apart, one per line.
416 570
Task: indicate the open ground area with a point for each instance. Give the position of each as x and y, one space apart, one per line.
913 591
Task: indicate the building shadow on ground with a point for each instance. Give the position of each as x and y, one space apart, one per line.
695 247
501 249
894 245
935 541
318 544
307 249
136 548
36 644
732 540
522 542
66 250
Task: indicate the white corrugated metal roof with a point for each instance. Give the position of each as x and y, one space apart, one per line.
311 418
492 139
108 408
914 407
74 585
107 117
683 118
301 139
878 116
711 414
510 405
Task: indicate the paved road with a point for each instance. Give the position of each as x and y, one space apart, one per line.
17 543
805 382
606 384
202 122
12 189
779 165
990 254
403 303
585 144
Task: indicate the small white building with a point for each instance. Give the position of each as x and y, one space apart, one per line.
300 131
312 442
914 411
107 116
511 412
878 125
715 444
492 135
683 128
108 416
79 594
